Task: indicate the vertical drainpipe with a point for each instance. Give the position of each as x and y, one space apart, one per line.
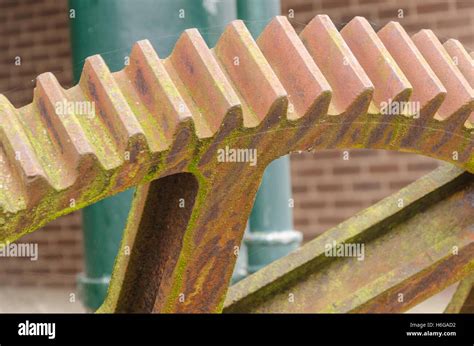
271 234
109 28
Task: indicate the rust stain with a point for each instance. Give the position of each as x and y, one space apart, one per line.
399 255
278 94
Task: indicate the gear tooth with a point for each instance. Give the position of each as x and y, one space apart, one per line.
157 91
76 148
461 59
389 81
249 71
204 81
100 86
305 84
465 64
427 88
332 55
460 96
18 150
12 194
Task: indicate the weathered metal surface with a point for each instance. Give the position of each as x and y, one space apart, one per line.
458 88
463 299
157 118
427 88
389 81
350 84
410 253
55 163
463 61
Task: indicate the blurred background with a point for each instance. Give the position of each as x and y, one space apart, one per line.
326 189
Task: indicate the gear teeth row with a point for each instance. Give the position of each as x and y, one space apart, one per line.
157 92
292 63
459 92
204 81
163 115
389 81
67 132
249 72
463 61
16 148
98 83
348 80
427 88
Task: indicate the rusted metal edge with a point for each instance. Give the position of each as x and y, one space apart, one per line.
463 299
413 247
159 117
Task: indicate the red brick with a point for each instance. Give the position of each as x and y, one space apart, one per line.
314 171
392 13
343 170
432 7
329 187
454 22
386 168
463 4
367 186
301 222
327 154
299 189
422 166
331 220
330 4
397 185
362 153
312 204
371 2
299 7
348 204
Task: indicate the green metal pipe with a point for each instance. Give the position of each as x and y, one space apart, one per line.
109 28
271 234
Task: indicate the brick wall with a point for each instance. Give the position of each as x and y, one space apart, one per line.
326 188
37 31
